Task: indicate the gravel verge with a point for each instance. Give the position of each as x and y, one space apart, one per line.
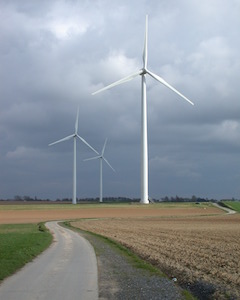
119 279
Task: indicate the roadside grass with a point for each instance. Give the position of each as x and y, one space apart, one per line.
134 259
235 205
19 244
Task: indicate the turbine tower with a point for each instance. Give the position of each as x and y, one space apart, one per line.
101 158
144 140
75 135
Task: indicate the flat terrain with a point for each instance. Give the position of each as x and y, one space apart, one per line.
19 244
66 270
34 213
196 250
233 205
198 244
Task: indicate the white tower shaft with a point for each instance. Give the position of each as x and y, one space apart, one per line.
144 139
101 157
74 201
144 145
101 182
75 135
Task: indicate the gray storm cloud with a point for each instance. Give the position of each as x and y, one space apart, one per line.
53 55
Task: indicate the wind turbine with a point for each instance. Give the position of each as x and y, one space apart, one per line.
101 158
144 141
75 135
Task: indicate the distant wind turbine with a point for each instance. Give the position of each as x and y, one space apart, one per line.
144 141
75 135
101 158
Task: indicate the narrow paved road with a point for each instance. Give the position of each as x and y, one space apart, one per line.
228 210
67 270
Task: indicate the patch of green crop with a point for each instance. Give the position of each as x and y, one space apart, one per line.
19 244
188 296
235 205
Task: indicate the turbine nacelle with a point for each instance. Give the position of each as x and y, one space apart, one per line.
142 72
74 136
101 158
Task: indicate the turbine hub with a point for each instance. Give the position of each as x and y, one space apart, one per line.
144 71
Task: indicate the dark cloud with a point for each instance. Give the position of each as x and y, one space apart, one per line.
53 55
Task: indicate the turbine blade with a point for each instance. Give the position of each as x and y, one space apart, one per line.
108 164
76 123
125 79
161 80
104 146
82 139
62 140
92 158
145 49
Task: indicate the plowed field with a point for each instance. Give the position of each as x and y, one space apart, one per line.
33 213
195 249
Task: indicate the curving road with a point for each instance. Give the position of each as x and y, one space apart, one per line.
228 210
66 270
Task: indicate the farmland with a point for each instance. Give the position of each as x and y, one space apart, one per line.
190 242
195 249
233 205
35 213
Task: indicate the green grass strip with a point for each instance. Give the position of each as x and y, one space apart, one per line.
19 244
235 205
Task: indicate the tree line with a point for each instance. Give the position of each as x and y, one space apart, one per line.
117 199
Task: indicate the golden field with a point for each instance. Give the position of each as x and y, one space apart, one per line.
16 213
189 248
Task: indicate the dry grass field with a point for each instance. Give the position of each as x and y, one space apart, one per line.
15 213
192 249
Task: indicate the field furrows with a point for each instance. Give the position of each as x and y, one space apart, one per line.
190 249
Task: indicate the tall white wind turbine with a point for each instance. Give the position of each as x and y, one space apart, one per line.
101 158
144 141
75 135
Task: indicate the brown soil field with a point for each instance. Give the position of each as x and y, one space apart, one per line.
199 249
15 214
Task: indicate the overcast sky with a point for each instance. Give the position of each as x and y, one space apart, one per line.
54 54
